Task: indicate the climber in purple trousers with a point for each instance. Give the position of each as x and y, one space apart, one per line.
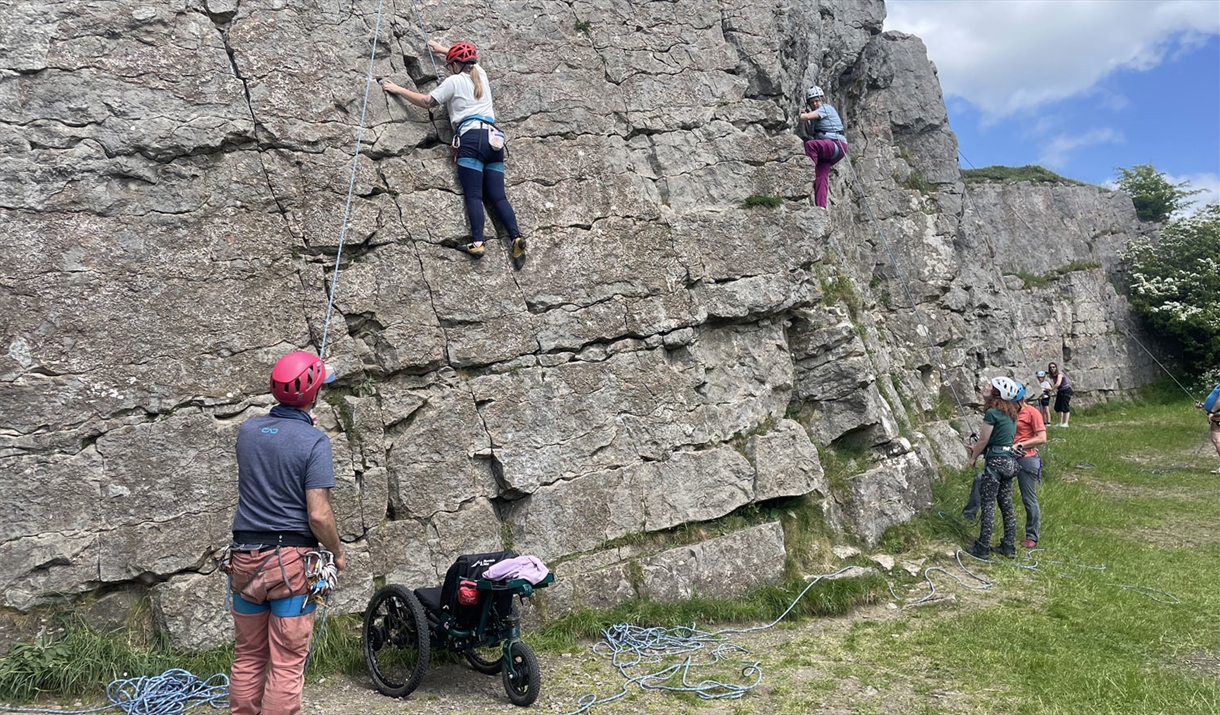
828 144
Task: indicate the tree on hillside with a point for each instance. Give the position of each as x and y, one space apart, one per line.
1154 197
1175 285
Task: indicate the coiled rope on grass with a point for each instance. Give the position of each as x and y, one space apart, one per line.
173 692
630 646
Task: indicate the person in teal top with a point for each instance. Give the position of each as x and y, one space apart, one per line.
995 446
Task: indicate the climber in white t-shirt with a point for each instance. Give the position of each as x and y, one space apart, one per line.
479 145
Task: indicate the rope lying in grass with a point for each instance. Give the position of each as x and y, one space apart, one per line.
632 646
173 692
1028 563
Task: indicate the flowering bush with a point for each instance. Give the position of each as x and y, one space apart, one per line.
1175 285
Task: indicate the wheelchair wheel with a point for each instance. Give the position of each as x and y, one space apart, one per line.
522 679
487 661
395 641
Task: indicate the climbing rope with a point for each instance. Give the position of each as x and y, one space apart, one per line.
173 692
1189 394
1012 312
419 20
934 351
351 184
1045 450
1027 563
632 646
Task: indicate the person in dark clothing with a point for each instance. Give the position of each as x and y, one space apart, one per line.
1030 433
995 446
1063 392
284 478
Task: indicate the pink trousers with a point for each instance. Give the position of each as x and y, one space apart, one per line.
270 649
825 154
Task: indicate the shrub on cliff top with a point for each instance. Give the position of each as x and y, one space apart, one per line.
1030 172
1175 285
1155 198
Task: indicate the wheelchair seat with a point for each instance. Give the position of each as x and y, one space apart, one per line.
443 600
430 599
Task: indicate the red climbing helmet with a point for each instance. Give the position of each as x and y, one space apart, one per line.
296 378
462 52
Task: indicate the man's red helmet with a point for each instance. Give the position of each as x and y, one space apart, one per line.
462 52
297 377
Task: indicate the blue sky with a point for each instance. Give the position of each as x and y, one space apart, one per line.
1079 86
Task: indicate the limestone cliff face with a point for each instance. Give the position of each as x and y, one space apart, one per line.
172 186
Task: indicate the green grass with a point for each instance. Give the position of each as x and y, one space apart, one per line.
1041 281
80 661
840 290
1062 640
763 200
826 598
1032 173
916 182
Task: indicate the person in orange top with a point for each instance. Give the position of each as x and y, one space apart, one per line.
1031 432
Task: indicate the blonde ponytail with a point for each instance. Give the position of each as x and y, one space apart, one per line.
476 77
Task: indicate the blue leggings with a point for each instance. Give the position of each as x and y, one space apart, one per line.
481 171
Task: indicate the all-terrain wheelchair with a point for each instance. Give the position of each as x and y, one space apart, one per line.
467 614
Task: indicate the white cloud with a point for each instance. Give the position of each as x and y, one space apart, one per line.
1210 183
1008 56
1055 153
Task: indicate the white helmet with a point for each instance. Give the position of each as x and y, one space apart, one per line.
1007 387
814 91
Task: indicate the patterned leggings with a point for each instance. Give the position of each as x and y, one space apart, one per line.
997 489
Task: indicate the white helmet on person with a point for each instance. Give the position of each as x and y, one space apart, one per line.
1042 373
1006 386
814 91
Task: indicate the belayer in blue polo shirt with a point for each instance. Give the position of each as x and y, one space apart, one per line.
284 478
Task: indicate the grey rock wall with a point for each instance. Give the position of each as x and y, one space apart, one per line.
172 186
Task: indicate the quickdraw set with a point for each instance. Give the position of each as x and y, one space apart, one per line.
320 575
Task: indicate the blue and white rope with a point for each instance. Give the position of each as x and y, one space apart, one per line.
351 184
173 692
631 646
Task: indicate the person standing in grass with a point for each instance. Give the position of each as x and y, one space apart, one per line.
284 476
1063 392
1044 400
1212 406
995 446
1031 432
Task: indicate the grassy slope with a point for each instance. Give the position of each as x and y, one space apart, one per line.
1062 640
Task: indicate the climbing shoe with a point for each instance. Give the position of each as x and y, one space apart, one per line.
1029 543
1008 550
979 551
518 252
475 250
